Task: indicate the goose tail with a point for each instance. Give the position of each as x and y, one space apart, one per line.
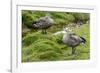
83 40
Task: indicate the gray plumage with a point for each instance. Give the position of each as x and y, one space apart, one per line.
72 40
43 23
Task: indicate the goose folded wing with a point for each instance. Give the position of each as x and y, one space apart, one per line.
74 40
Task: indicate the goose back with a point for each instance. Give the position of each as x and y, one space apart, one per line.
71 40
43 23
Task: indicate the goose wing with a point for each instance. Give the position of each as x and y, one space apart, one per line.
41 23
74 41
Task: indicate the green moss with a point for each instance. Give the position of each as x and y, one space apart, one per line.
47 47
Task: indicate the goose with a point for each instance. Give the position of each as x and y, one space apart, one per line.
43 23
72 40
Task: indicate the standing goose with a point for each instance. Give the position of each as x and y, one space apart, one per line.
43 23
72 40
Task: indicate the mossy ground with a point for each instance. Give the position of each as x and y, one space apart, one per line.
48 47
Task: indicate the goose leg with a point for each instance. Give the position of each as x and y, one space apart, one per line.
45 31
73 50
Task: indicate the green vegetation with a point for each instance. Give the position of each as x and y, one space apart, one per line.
61 19
49 47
